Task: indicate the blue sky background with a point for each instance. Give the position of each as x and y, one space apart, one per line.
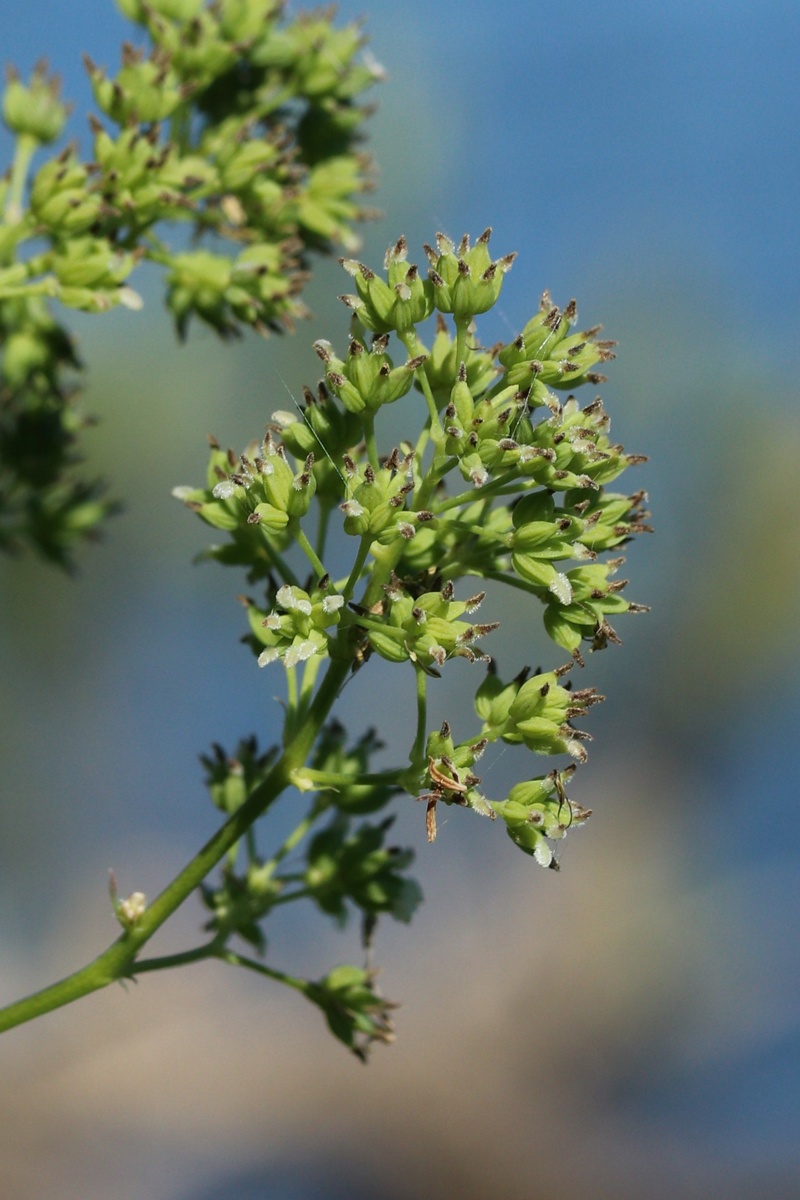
644 158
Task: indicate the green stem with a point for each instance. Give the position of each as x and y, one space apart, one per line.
513 581
24 150
241 960
208 950
462 325
413 346
334 779
418 749
291 693
308 549
368 420
307 686
118 961
294 838
493 488
322 529
358 567
287 897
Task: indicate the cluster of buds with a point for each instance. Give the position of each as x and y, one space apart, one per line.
35 109
463 281
230 778
298 627
256 491
538 812
537 515
427 629
322 428
358 868
535 711
366 379
376 503
240 903
234 121
356 1012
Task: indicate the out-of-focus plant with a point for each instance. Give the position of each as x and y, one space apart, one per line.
231 122
504 478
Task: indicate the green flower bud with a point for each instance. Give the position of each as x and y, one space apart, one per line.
356 1014
295 629
545 352
145 90
366 379
192 45
173 10
324 207
494 698
537 810
92 263
242 20
60 196
427 627
231 778
466 281
360 869
327 432
376 501
238 156
34 110
196 284
403 302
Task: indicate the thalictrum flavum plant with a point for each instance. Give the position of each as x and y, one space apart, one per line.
504 479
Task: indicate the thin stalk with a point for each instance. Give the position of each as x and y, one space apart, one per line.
412 345
462 325
24 149
241 960
322 529
358 567
308 549
418 749
493 488
166 961
369 437
291 694
294 838
118 961
513 581
279 564
310 672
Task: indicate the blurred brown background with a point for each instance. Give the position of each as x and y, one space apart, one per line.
628 1028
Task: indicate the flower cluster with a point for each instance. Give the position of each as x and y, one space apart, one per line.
505 482
529 509
427 629
235 123
297 627
360 869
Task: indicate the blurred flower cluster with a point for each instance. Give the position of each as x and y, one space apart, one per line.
230 125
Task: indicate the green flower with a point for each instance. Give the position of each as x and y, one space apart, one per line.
366 379
427 629
538 811
398 303
547 355
295 629
356 1013
35 109
465 280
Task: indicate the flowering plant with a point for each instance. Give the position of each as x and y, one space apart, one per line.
355 549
